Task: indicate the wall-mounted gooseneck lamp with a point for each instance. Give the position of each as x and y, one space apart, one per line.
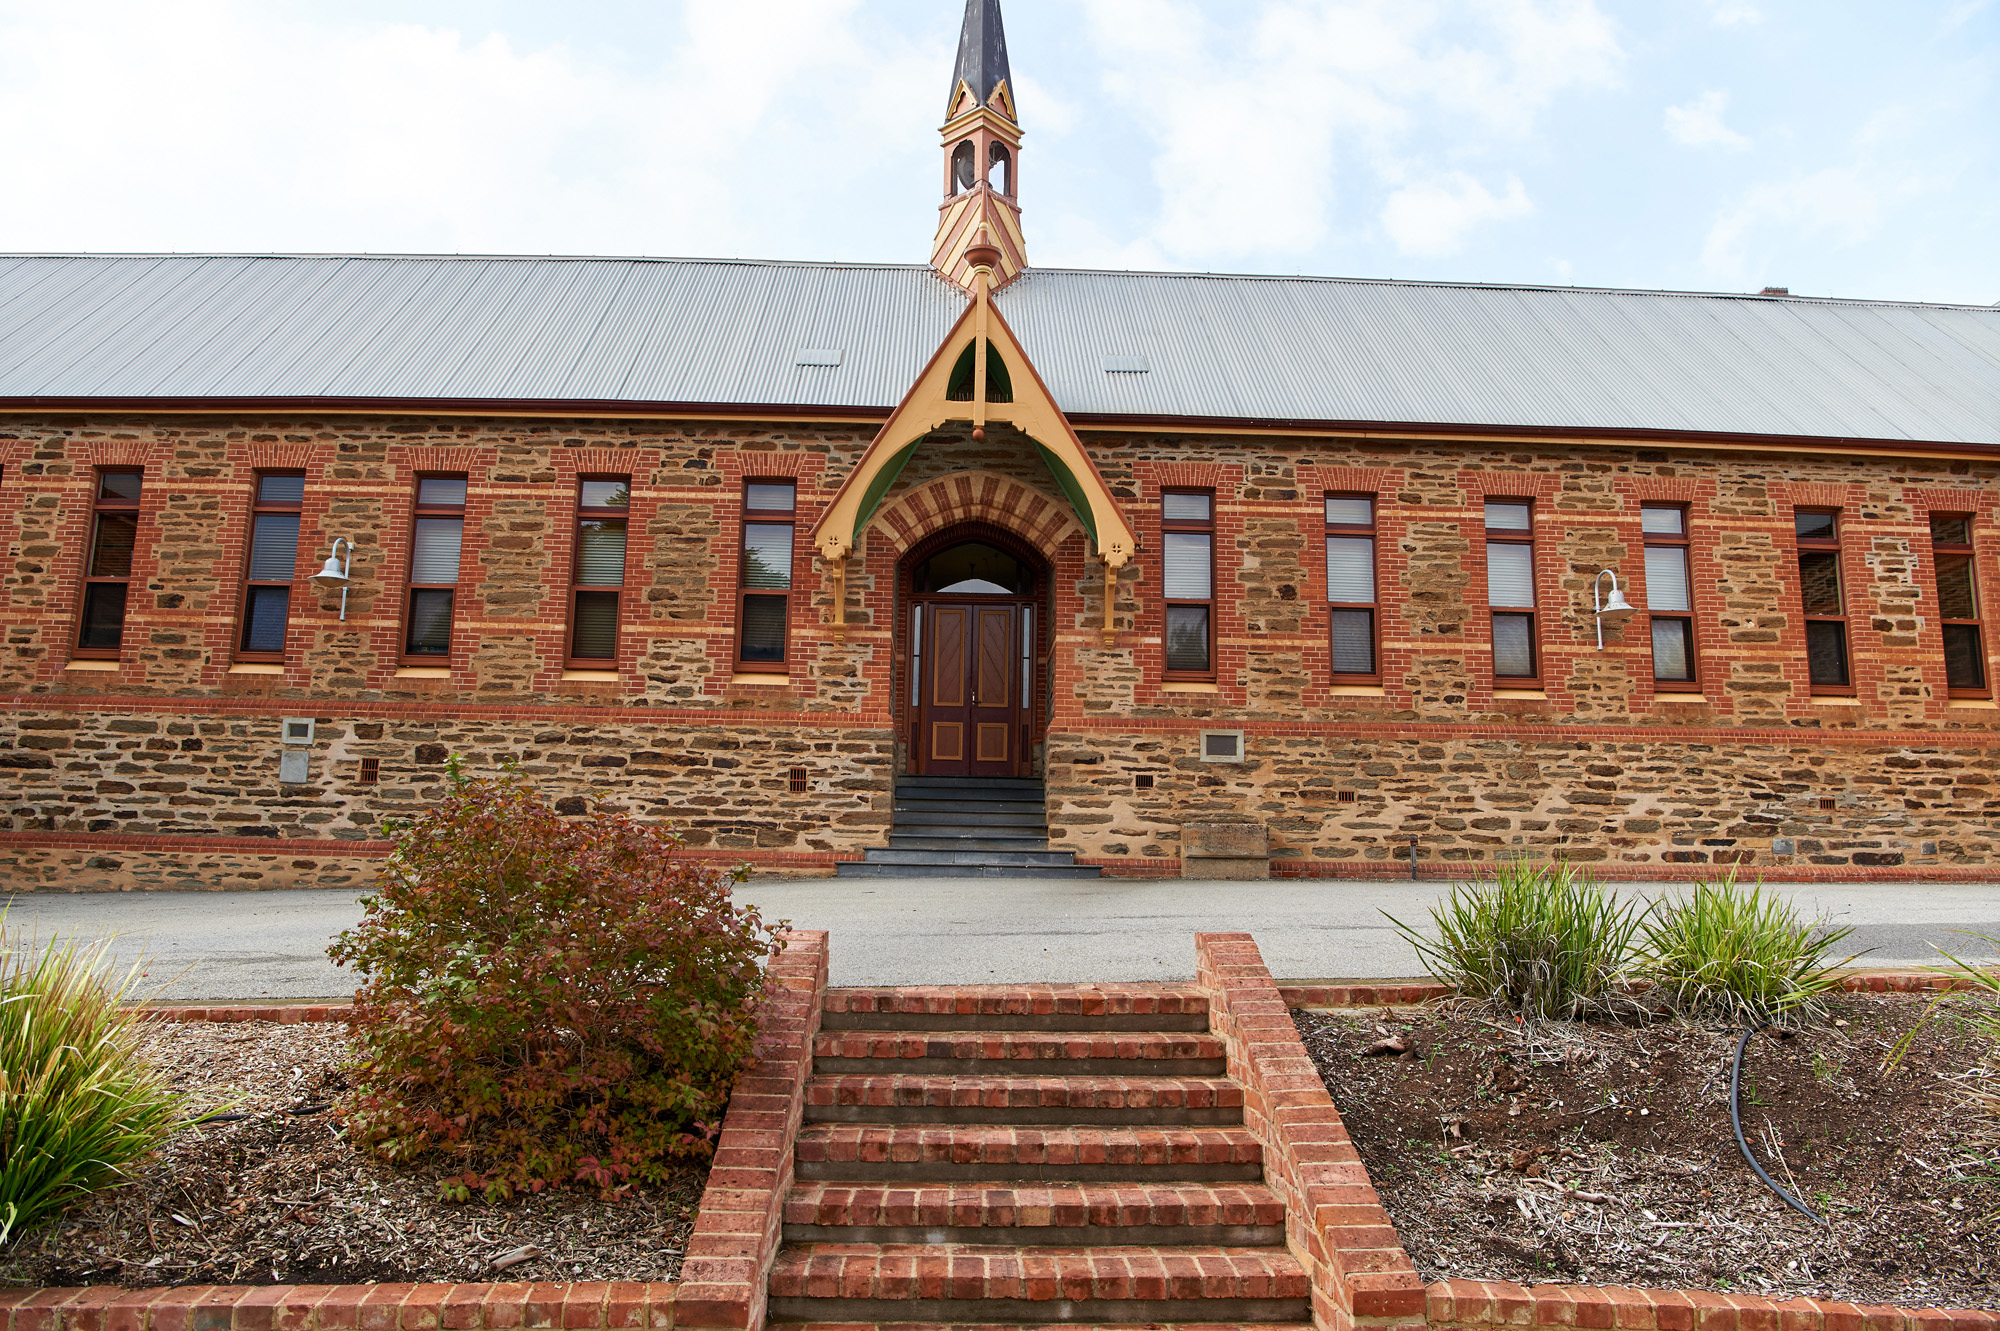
1612 609
335 574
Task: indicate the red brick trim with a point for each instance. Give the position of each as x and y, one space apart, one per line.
1486 1303
506 1307
736 1231
281 1014
1334 1222
427 710
1409 993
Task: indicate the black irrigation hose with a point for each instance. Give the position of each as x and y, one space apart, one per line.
239 1117
1736 1121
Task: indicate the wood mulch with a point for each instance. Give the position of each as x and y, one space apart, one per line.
278 1199
1602 1153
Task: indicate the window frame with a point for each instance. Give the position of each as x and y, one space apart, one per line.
419 509
1205 528
259 505
99 507
1967 551
582 514
1374 608
1533 614
1801 545
1685 544
767 517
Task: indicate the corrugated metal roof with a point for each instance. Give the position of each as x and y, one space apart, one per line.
730 332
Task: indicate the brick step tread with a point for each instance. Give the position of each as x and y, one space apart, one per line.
1108 1206
854 869
949 1271
1046 1326
1008 1046
962 855
884 1097
864 1144
999 999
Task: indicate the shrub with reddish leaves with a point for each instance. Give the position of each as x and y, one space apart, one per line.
547 1000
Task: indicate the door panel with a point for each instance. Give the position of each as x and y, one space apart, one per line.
969 719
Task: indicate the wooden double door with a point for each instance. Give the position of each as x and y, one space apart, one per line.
973 667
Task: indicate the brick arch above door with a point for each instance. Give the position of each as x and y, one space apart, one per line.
1043 520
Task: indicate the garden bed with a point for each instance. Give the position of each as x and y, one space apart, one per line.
278 1199
1603 1154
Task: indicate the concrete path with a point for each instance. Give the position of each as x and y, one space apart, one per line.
252 946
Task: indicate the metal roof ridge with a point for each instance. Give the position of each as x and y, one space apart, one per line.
1467 285
469 258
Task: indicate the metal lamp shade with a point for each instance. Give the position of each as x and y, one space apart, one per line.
1616 608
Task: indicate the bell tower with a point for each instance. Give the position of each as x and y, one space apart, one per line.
982 155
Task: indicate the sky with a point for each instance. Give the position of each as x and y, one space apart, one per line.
1834 147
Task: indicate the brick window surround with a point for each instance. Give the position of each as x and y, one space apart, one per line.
1823 601
271 565
437 543
1670 598
107 570
1187 552
766 554
597 570
1958 606
1510 593
1354 623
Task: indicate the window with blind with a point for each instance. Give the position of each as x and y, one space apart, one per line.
107 574
602 505
1958 605
436 540
1187 545
274 557
1510 589
1818 532
1669 596
770 513
1350 587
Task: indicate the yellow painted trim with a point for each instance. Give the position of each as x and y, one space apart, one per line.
756 680
422 672
1979 704
1358 691
590 676
1002 100
1521 693
1190 688
255 668
925 407
1679 698
1834 700
92 665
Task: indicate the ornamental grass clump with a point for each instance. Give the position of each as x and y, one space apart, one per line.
1739 953
547 1000
1546 941
78 1102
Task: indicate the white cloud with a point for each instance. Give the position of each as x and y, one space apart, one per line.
1259 122
1433 219
1699 123
1733 13
229 124
1842 206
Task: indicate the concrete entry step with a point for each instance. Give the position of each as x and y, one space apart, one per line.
1065 1214
949 814
829 1282
991 838
946 1152
912 804
889 1098
959 854
850 869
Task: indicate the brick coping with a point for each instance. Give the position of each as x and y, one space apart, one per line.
1451 1304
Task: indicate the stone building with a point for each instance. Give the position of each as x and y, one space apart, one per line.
1023 568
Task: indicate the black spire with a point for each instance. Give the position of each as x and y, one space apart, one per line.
982 52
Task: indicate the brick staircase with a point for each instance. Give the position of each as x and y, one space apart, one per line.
968 827
1028 1156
